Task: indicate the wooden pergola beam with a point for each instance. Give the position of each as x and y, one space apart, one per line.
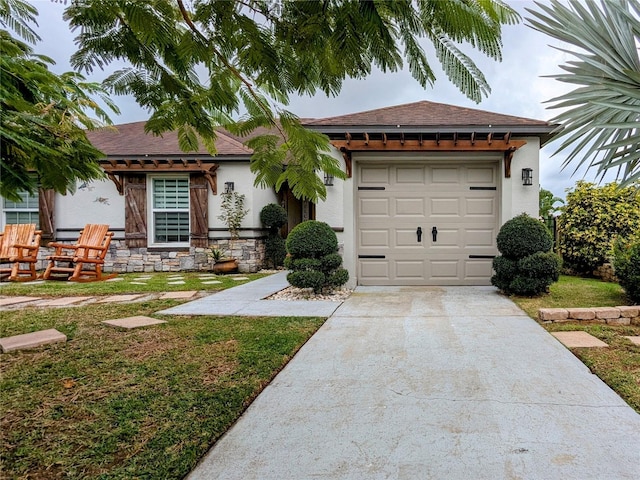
418 145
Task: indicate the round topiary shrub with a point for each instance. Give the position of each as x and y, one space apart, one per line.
313 257
522 236
312 239
273 216
526 266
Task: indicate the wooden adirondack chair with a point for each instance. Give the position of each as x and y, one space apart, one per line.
19 244
83 261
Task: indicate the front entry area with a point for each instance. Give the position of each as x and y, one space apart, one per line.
426 223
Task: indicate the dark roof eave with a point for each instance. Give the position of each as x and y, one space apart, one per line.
190 156
544 129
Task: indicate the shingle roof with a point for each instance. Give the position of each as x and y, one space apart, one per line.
426 113
131 139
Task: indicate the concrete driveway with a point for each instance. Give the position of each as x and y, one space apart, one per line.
431 383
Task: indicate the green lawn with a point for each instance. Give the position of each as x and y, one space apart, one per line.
619 364
125 283
145 403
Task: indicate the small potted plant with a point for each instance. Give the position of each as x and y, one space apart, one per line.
233 212
221 263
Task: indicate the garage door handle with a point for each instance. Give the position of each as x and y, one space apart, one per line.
434 233
419 234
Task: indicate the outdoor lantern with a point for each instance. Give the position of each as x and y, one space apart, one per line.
527 176
328 179
228 187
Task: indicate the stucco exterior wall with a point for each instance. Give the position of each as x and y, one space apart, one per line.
517 198
92 202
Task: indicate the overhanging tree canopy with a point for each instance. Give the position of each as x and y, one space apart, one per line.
44 115
197 65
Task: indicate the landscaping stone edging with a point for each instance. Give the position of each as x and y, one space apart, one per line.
623 315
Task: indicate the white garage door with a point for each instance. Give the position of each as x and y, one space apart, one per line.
432 224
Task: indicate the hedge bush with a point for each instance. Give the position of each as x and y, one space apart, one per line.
313 257
592 219
273 217
526 266
627 266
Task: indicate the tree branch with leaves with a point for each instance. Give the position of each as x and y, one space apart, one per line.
207 64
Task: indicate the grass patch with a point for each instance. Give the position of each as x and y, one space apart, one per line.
145 403
575 292
129 283
619 364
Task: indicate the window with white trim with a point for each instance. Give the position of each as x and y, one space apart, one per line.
24 211
169 210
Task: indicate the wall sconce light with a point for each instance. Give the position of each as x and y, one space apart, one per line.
527 176
328 179
228 187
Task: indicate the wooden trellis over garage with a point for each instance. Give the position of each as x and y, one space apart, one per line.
427 142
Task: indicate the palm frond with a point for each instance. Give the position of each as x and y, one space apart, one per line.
601 123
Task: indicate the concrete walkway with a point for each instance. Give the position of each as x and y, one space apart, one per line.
431 383
248 300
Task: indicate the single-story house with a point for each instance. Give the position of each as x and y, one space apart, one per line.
428 187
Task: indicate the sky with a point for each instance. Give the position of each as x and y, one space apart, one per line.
518 85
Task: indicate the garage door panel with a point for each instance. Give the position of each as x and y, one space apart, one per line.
409 207
443 269
481 175
427 196
407 237
477 269
410 175
409 269
375 270
446 238
480 206
375 238
377 207
447 175
445 207
479 238
377 175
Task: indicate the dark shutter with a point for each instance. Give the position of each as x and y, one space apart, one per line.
46 209
135 210
199 208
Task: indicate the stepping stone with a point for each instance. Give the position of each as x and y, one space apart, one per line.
61 302
634 339
578 339
211 282
177 277
35 282
32 340
178 295
137 283
114 279
120 298
177 282
238 279
133 322
146 277
14 300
